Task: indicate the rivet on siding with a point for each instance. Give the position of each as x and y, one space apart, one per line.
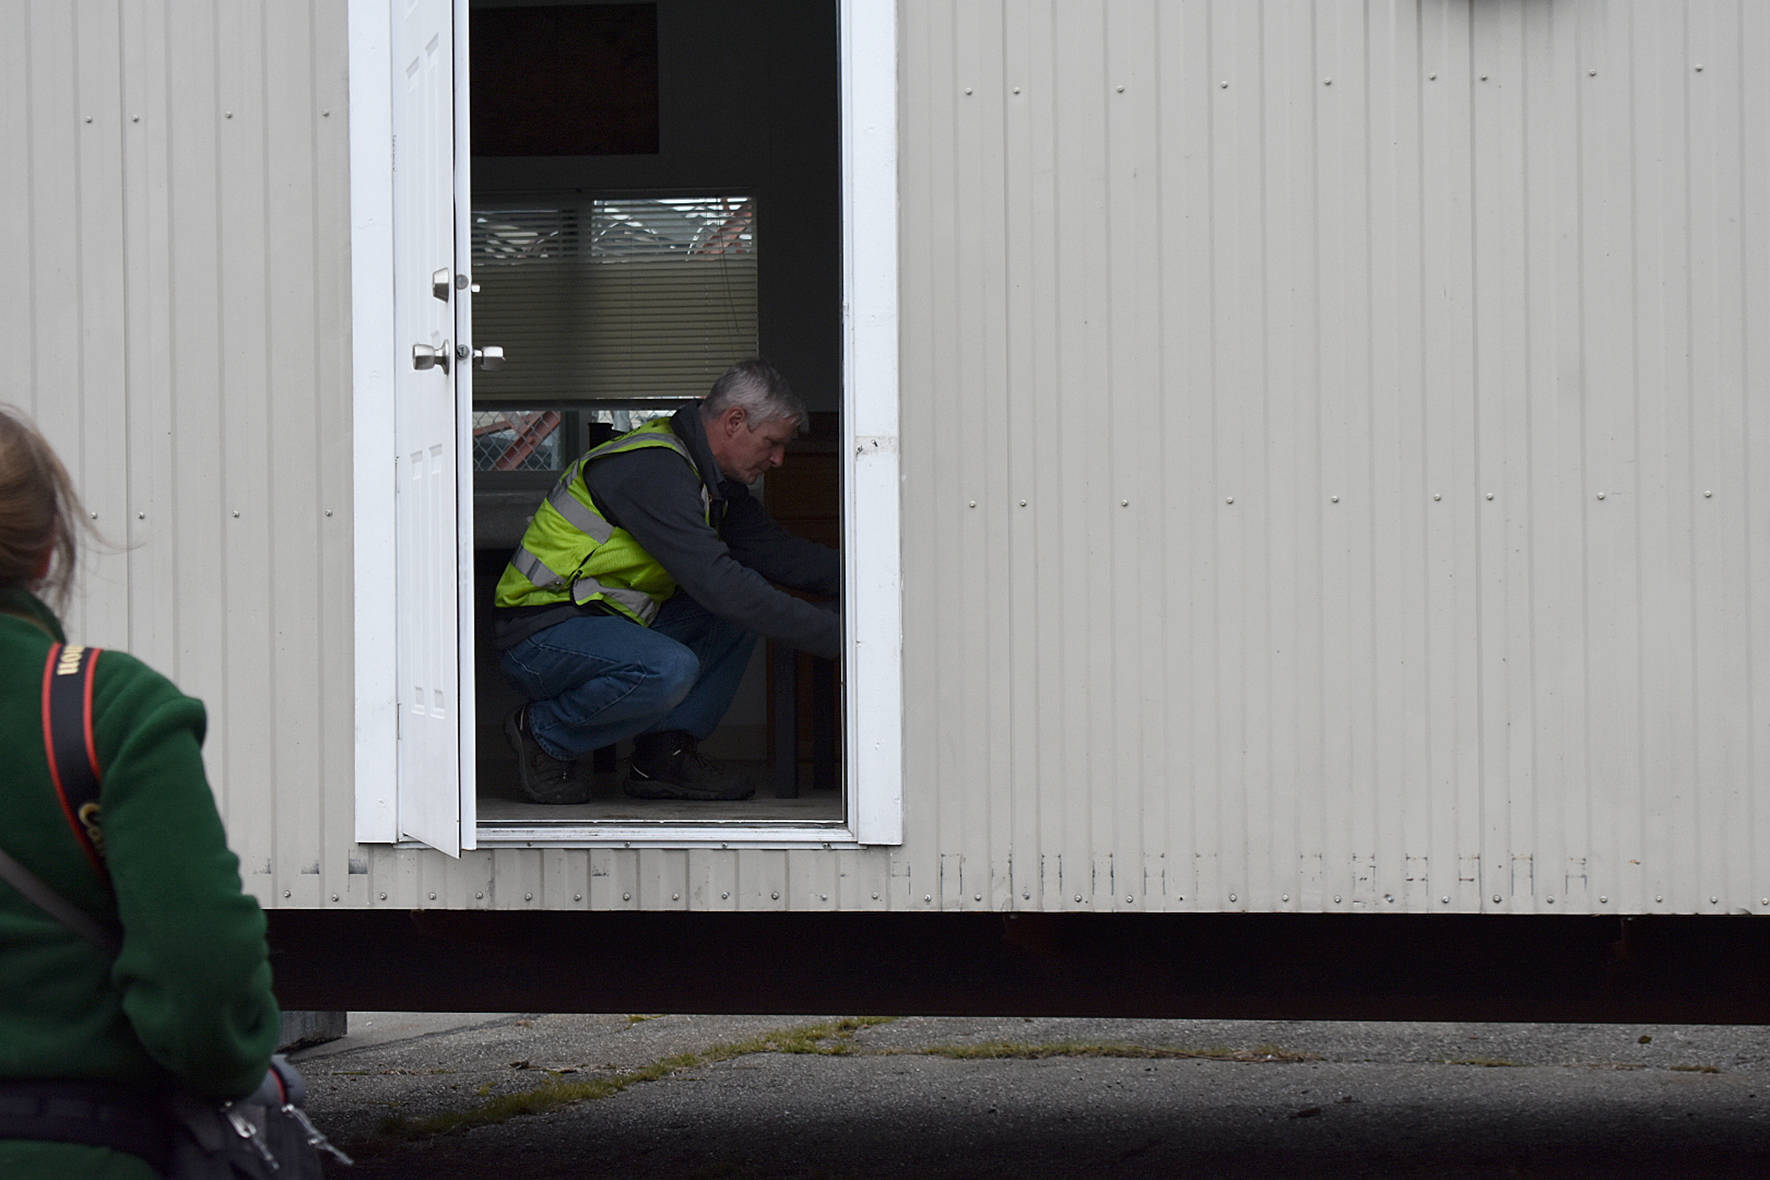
141 516
967 90
1484 77
676 897
479 896
1659 897
1026 895
774 896
725 895
236 514
381 896
1707 493
1229 499
1121 89
973 504
1017 90
1714 901
927 899
1699 69
94 515
432 897
89 118
977 897
1549 900
1078 899
1431 77
1436 497
1333 499
1232 897
875 895
1496 899
1327 81
286 893
1129 900
1604 899
1281 897
1023 503
1591 73
325 114
334 897
328 512
137 119
577 897
1600 495
1389 897
1490 495
1336 899
528 897
1223 85
1124 503
626 897
227 114
823 897
1445 900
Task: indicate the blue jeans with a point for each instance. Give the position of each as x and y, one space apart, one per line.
596 679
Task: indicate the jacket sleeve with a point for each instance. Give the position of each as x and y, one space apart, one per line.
759 541
193 971
655 496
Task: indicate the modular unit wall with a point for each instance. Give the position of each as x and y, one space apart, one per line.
1332 440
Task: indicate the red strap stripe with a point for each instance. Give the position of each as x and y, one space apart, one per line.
60 775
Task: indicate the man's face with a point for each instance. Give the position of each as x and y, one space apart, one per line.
744 451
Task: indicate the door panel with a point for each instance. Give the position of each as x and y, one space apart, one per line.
426 514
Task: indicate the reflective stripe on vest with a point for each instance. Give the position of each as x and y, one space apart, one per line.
650 584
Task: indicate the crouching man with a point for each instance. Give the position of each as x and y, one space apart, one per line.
632 604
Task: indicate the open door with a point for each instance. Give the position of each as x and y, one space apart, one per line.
432 388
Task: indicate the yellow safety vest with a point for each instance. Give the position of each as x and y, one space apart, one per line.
570 551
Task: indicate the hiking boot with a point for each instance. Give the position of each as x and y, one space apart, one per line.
540 776
668 766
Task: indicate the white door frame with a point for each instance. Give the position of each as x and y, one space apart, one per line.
873 589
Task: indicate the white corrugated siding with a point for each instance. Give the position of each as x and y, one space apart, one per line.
176 301
1329 436
1253 306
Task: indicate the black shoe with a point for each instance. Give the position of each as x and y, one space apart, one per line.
668 766
541 777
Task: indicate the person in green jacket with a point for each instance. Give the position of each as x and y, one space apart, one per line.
186 1004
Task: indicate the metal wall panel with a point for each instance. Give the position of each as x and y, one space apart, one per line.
1328 444
1328 441
177 199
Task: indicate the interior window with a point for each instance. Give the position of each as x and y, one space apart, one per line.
620 298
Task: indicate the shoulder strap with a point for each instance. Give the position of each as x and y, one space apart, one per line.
45 898
69 743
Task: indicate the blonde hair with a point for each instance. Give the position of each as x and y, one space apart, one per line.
40 513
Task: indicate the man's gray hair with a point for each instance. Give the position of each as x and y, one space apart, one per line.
761 392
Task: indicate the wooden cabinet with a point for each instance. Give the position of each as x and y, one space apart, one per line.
804 695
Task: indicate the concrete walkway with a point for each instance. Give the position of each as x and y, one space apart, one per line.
687 1096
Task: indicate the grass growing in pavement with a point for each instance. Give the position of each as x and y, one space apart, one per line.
832 1038
997 1050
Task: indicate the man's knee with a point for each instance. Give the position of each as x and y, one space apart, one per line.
675 670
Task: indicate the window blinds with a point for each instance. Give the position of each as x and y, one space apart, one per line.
614 299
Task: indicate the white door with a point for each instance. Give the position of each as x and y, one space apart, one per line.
432 391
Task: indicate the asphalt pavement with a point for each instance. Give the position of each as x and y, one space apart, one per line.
639 1095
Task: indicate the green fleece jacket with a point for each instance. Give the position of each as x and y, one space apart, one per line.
188 1000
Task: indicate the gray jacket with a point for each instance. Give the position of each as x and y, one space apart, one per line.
728 568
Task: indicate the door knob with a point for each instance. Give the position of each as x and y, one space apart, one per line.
426 357
489 358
